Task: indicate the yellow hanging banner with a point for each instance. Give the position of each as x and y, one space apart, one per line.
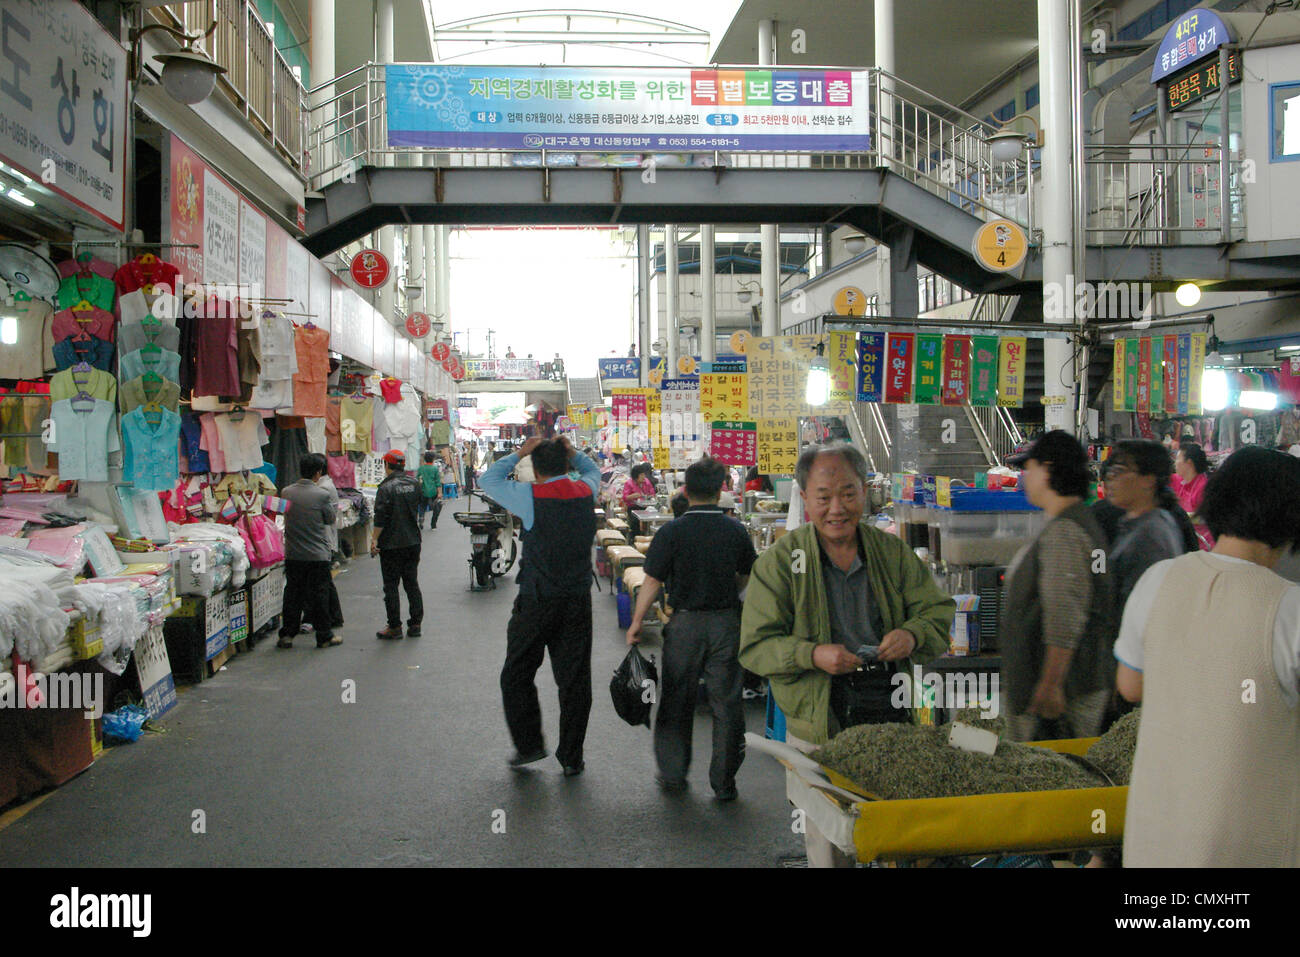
724 396
1118 373
842 355
778 446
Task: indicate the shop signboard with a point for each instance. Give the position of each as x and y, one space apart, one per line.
734 443
724 395
1157 391
1011 372
901 353
1121 349
641 109
154 670
729 364
1193 36
369 269
929 368
620 368
1144 375
1170 347
841 355
956 370
1131 362
1184 372
220 232
688 367
320 299
252 250
984 371
1195 370
277 268
679 418
63 103
778 446
871 366
778 377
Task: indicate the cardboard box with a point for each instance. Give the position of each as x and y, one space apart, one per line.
86 640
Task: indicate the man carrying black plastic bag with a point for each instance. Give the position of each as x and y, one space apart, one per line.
705 556
634 687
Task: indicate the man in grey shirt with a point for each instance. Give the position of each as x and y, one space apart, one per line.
307 553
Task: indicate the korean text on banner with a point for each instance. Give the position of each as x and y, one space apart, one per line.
1144 375
724 395
734 443
871 367
778 446
778 377
1157 374
1195 370
984 370
63 87
956 370
929 368
604 109
1132 359
901 353
841 354
1121 347
1184 371
1170 347
1011 372
680 421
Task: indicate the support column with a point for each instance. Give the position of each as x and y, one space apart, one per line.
322 75
387 241
905 302
708 314
431 271
643 301
1056 205
770 234
415 266
671 319
444 274
884 42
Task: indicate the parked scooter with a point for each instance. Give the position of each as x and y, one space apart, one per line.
494 542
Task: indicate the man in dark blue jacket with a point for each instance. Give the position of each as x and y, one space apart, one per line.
396 540
552 611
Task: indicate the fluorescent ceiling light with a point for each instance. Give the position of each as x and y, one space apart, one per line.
20 198
1214 390
1263 401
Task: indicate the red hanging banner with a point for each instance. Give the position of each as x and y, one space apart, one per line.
900 354
956 370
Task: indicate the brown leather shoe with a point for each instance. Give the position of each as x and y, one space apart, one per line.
389 634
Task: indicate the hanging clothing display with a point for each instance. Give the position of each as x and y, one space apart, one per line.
359 412
83 434
196 458
333 431
151 441
241 436
162 362
86 263
97 353
342 471
91 288
161 303
316 435
210 442
95 382
148 331
242 483
148 389
288 446
91 321
31 355
249 366
216 358
311 381
392 389
146 272
278 355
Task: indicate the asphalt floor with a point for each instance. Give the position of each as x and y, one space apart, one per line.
286 773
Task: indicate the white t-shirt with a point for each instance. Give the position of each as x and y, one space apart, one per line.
1286 627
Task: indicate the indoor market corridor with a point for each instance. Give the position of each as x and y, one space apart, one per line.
411 774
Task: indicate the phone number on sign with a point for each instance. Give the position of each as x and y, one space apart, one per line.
707 141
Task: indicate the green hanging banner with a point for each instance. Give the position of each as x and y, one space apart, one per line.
1157 375
1131 374
929 369
984 370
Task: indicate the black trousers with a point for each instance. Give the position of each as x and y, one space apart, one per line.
402 566
430 503
307 589
336 608
561 626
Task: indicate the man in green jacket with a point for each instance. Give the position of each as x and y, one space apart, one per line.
836 609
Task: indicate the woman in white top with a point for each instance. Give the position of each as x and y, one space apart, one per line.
1210 645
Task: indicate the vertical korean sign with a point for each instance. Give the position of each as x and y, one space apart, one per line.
1144 376
1132 359
1184 372
871 366
929 368
63 103
1117 376
898 374
984 370
841 354
1011 372
1156 347
1171 383
734 443
956 370
1195 370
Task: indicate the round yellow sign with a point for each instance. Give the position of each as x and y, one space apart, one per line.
686 365
850 301
1000 246
656 376
739 341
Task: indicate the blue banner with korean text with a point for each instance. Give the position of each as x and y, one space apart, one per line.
871 366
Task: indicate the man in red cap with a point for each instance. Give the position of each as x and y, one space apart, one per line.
396 540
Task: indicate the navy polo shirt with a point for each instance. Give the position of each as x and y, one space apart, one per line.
699 555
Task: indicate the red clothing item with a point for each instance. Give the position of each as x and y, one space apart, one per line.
216 357
1190 493
392 390
754 485
70 267
136 275
96 322
633 490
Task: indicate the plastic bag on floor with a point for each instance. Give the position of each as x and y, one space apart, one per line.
634 688
126 723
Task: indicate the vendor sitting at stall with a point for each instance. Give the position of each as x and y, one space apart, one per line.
638 492
834 609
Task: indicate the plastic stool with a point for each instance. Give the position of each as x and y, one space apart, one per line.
449 490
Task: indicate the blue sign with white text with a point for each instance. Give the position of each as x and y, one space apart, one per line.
620 368
1196 34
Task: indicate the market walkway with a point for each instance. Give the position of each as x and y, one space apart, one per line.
411 774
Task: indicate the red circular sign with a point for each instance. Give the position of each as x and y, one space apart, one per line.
370 269
446 365
440 351
458 373
418 325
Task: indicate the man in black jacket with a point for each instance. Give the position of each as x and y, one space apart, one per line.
396 540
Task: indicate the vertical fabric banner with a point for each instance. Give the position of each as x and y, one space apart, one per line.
1184 371
871 367
1158 374
1117 375
929 368
898 375
1171 374
984 370
1131 359
841 354
1011 372
956 370
1195 370
1144 376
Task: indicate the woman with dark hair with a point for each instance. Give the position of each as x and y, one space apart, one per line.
1137 480
1214 781
639 488
1056 623
1188 484
754 482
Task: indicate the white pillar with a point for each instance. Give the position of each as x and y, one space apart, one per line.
430 270
770 234
671 316
444 274
322 72
387 244
1056 203
415 266
384 31
884 42
643 301
708 315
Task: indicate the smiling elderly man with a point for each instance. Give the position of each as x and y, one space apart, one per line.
835 609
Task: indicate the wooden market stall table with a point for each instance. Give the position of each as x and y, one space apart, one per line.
652 520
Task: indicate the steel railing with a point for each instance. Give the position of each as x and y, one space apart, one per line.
258 80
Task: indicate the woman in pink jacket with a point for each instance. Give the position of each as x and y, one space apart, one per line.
1188 483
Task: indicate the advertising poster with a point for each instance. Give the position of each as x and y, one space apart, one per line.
841 354
734 443
1011 372
901 353
724 395
1170 347
956 370
984 371
871 367
1117 375
929 368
